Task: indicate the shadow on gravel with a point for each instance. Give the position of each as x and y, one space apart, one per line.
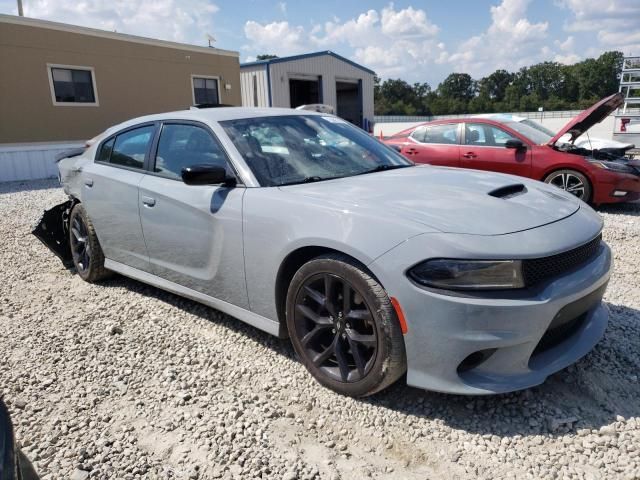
282 347
632 208
589 394
28 185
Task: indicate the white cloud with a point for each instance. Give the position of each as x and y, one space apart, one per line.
407 22
388 41
277 38
613 22
177 20
510 42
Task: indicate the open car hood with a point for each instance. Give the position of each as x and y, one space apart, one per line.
587 119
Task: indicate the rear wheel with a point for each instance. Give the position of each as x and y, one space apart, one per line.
343 326
571 181
88 258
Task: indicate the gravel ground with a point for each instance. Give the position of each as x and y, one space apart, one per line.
122 381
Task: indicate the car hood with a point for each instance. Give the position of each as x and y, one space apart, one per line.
588 118
447 199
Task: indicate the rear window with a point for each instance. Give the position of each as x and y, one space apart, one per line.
127 149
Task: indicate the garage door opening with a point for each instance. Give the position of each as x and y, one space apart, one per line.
303 92
349 100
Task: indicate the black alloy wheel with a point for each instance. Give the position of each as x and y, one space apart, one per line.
80 246
343 326
335 327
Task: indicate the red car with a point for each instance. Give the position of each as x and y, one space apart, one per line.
502 143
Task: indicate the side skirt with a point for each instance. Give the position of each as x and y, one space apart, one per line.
258 321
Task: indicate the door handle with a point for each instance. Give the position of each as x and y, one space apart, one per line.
148 201
469 155
88 182
411 151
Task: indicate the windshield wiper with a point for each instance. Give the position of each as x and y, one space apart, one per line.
314 178
382 168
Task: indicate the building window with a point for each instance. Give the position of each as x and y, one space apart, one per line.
72 85
205 91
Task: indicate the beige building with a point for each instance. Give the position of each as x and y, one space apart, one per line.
63 84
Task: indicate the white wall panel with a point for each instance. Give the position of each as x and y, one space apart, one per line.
246 85
30 162
330 68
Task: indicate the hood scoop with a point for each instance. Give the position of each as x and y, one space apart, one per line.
509 191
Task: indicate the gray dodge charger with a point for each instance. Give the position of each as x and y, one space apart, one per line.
304 226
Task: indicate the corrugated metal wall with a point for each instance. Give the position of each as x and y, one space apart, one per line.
29 162
331 69
247 75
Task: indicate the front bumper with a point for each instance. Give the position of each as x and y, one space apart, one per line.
610 183
496 343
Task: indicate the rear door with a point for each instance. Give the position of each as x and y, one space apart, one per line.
110 194
193 232
484 149
434 144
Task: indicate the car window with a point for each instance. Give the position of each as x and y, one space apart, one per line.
485 135
418 134
447 134
105 150
130 147
286 149
183 146
474 134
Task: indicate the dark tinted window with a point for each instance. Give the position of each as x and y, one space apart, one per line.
105 151
131 147
447 134
73 86
205 90
186 145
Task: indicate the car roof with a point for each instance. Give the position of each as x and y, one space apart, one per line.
213 115
501 117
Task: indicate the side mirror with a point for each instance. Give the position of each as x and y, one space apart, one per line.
517 144
207 175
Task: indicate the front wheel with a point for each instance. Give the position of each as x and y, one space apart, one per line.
343 326
87 255
571 181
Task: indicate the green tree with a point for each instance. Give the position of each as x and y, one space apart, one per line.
266 56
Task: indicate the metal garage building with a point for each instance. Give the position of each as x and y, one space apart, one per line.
321 77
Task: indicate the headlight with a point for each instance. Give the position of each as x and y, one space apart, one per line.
469 274
613 166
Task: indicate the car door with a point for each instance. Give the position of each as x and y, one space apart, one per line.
484 148
110 194
434 144
193 232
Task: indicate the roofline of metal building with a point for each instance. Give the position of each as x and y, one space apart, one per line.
303 56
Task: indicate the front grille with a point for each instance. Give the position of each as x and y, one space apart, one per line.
538 270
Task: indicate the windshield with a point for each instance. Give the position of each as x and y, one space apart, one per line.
283 150
532 130
537 126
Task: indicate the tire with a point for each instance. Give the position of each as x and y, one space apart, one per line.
571 181
88 258
353 343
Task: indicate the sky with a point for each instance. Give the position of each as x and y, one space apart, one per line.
418 41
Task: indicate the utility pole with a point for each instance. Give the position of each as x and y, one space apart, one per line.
20 12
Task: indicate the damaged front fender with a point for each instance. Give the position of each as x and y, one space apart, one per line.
53 231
